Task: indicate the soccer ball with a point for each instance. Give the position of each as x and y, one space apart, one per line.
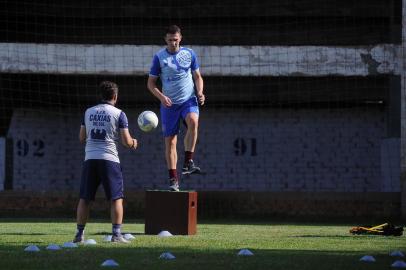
147 121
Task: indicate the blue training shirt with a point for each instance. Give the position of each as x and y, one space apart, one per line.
175 71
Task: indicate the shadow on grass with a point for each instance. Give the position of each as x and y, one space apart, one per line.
296 221
255 221
202 221
124 232
143 257
63 220
321 236
20 233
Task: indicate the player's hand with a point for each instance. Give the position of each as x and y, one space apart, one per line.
167 102
135 144
201 98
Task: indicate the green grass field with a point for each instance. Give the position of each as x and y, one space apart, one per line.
275 246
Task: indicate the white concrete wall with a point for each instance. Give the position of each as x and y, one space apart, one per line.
214 60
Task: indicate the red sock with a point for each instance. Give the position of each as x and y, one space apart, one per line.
188 156
172 173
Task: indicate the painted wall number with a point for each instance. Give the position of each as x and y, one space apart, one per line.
243 146
23 148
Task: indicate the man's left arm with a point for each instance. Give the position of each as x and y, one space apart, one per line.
82 134
199 86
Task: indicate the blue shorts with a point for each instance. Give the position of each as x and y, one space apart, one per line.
171 116
106 172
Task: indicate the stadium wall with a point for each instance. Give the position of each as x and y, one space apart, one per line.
251 150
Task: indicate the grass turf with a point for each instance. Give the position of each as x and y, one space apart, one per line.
275 246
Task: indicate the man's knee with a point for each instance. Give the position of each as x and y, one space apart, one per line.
192 121
85 202
171 141
117 200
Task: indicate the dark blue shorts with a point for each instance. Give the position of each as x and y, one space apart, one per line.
172 115
106 172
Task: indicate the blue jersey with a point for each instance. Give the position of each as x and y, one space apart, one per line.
175 71
103 123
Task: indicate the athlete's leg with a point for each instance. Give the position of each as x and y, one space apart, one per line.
171 154
117 211
88 187
117 221
112 180
82 215
190 114
82 212
170 128
192 122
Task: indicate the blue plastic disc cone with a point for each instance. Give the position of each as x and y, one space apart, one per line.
399 264
397 253
167 256
69 245
110 263
53 247
32 248
245 252
367 258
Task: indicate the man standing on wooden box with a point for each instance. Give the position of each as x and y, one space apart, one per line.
178 69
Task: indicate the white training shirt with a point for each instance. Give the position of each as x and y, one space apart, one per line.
103 123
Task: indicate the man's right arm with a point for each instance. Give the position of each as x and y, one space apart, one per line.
152 87
127 140
154 73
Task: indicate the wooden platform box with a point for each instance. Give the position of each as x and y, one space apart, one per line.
175 212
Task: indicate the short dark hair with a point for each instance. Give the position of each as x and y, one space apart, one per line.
172 29
108 90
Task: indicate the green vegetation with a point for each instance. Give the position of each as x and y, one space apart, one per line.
275 246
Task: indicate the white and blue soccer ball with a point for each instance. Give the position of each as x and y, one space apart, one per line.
147 121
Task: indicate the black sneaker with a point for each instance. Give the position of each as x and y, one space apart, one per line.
79 239
173 184
190 168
